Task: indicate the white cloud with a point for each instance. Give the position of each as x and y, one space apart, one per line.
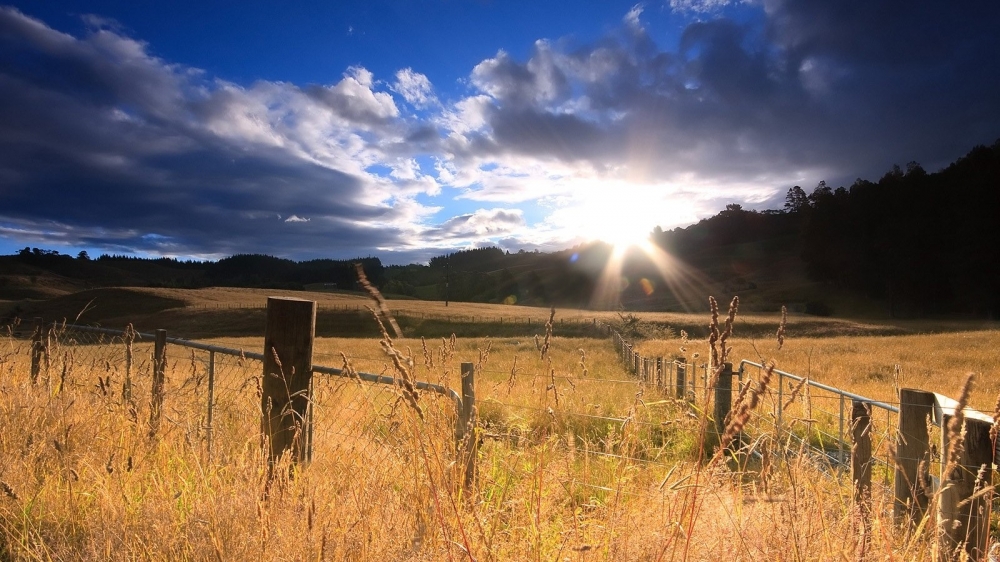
415 88
701 6
467 114
631 18
355 99
479 225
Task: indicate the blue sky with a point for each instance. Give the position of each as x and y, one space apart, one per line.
408 129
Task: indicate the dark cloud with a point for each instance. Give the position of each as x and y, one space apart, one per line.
830 89
891 32
102 145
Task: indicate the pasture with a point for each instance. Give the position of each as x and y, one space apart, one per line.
578 461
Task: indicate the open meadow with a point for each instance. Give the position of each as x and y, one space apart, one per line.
578 459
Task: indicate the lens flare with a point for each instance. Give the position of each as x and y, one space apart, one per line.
647 286
677 284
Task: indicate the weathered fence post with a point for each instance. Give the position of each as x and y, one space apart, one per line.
681 378
467 423
659 372
723 398
861 464
129 360
210 427
912 449
159 369
780 405
963 511
37 350
289 333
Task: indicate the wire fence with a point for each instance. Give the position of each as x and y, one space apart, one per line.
808 417
800 417
213 394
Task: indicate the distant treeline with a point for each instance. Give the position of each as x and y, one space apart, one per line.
241 270
927 243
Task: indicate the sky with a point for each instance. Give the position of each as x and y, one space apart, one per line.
406 130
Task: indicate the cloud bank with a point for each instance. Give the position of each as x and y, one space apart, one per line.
104 145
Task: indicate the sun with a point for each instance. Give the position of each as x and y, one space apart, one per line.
623 224
620 213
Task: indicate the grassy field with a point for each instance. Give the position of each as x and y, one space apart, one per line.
877 366
578 461
83 479
239 312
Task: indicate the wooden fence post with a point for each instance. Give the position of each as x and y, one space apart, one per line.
37 350
861 464
159 373
288 349
681 378
210 425
723 398
963 510
467 417
912 449
659 372
129 360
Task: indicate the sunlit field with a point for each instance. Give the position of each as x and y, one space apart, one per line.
877 366
578 461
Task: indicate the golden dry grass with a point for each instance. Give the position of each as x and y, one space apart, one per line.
82 481
124 305
875 366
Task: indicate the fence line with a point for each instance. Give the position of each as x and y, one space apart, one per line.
900 451
126 337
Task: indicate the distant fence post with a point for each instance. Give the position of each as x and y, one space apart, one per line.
129 361
780 405
659 372
467 423
210 424
861 464
681 378
912 449
963 512
723 398
37 350
289 333
159 372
